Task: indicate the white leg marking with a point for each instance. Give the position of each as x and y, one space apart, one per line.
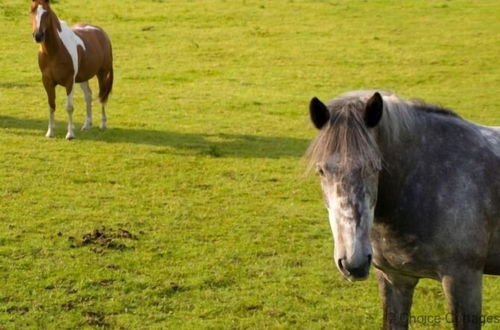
104 120
87 93
51 131
69 108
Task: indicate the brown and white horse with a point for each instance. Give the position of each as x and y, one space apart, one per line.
68 56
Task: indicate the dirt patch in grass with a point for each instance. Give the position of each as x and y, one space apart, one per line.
67 306
104 239
21 310
171 290
95 319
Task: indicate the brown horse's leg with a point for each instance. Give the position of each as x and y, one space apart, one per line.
396 292
69 109
87 93
50 88
463 292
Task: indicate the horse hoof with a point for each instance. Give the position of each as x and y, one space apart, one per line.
86 127
50 135
103 126
69 137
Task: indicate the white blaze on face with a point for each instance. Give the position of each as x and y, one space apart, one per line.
71 42
342 222
39 13
351 240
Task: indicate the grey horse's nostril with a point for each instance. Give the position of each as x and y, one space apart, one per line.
340 264
358 272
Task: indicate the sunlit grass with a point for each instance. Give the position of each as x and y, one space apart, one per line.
202 159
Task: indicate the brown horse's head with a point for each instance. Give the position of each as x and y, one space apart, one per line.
39 18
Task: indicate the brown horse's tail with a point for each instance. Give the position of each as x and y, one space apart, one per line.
105 86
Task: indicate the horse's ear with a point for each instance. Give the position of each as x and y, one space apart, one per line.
374 109
319 113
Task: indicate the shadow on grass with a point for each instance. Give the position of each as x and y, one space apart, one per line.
13 84
214 145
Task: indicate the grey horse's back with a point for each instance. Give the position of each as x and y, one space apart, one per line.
492 135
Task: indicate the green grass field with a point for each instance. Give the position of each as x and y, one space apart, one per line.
192 210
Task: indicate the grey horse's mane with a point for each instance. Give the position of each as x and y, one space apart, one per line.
347 136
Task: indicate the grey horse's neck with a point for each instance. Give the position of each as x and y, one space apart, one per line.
417 138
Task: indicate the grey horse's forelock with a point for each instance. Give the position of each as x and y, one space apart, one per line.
347 136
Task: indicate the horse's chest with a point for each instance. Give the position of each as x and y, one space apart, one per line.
61 74
402 252
57 69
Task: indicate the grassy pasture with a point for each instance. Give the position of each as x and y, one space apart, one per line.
191 210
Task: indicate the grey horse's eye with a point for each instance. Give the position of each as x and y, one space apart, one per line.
320 170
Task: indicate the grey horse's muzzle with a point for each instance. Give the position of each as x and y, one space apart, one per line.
357 272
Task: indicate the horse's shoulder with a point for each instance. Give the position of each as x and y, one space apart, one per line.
488 137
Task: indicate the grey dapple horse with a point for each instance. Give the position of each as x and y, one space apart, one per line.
415 190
